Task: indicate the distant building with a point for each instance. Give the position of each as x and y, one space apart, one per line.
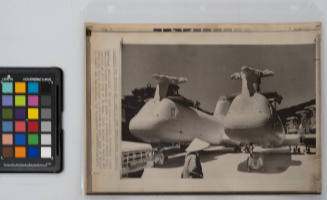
292 125
304 126
312 126
301 119
294 111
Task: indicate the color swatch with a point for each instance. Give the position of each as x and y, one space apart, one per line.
25 115
30 127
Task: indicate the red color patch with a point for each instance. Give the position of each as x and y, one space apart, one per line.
33 126
20 126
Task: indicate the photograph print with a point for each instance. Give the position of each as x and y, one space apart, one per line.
240 114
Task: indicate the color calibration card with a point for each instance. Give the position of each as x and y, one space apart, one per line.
31 108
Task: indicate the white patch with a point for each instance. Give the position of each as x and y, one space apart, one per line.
45 152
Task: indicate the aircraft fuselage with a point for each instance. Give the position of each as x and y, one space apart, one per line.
166 121
251 119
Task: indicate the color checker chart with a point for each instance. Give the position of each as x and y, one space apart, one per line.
31 107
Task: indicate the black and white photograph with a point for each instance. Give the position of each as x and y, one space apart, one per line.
205 108
223 112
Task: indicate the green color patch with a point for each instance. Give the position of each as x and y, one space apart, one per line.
7 113
20 100
33 139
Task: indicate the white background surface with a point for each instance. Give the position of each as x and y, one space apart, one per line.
50 33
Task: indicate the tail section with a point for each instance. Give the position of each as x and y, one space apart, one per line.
251 79
222 106
163 83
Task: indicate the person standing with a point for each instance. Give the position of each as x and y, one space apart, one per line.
192 165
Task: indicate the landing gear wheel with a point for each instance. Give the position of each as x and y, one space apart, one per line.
248 148
160 159
296 150
237 149
248 163
251 147
308 150
254 163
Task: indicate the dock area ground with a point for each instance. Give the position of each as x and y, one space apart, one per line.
228 167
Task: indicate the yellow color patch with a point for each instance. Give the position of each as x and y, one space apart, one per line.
33 113
20 87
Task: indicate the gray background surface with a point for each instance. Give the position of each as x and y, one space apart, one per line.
50 33
208 69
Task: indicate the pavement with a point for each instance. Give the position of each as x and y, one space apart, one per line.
225 166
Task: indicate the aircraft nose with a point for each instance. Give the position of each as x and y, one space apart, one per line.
234 122
235 128
151 120
245 121
244 127
143 128
137 125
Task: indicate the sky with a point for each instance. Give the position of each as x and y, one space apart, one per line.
208 69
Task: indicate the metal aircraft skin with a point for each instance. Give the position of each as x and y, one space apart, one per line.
251 119
165 120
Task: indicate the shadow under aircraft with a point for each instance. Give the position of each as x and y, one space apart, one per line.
272 162
176 159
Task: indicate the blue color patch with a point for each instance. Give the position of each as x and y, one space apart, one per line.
32 152
20 139
33 87
7 87
7 126
7 100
